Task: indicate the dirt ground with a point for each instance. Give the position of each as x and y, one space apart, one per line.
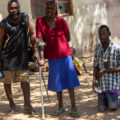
86 101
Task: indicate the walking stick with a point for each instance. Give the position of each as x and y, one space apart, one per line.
45 87
41 78
42 102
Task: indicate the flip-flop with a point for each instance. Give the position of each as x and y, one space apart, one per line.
12 109
74 113
58 112
30 110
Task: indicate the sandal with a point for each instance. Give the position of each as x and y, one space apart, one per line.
58 112
30 110
74 113
12 109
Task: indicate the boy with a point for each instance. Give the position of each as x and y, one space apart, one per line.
78 63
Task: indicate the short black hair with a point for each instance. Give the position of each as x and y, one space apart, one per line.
73 49
11 1
104 26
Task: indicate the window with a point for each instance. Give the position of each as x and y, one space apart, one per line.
64 7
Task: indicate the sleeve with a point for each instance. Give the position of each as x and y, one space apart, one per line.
66 28
38 28
118 57
95 63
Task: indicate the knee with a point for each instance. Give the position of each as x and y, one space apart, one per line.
24 85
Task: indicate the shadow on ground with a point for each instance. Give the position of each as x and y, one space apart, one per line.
86 101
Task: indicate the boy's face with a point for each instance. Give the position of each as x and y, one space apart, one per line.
104 35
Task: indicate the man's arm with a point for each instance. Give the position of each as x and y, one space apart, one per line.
113 70
2 33
95 72
33 39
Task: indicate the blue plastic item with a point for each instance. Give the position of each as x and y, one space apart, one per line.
1 75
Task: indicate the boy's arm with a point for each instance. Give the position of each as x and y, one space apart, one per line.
85 68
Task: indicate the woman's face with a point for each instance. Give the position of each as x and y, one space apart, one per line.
50 10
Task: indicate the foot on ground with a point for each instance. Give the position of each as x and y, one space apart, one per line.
12 108
30 110
74 114
58 112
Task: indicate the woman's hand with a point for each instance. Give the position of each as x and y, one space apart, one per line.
35 57
41 62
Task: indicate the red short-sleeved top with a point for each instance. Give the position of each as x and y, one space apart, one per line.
57 45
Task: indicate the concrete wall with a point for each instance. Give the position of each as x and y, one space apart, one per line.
87 16
113 15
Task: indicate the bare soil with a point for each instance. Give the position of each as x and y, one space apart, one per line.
86 101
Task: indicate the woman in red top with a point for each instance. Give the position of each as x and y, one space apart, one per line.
62 75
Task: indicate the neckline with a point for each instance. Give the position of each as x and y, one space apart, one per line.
11 21
48 24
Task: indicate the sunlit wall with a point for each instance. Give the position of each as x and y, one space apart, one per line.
87 16
113 15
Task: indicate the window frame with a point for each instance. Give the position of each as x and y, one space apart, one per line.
69 8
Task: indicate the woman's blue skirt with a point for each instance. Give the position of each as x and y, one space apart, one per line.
62 74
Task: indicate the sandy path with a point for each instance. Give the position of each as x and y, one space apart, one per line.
86 101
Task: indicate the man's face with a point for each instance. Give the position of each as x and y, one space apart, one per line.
14 10
104 35
50 10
